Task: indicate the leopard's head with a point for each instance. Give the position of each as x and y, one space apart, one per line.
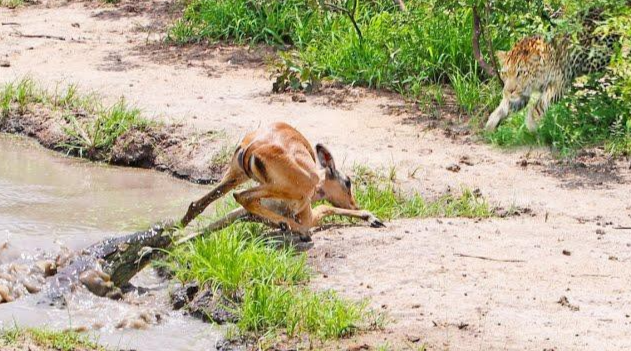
521 70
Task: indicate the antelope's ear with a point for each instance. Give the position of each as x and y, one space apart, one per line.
325 158
501 57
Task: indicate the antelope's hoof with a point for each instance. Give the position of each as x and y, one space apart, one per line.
376 223
305 238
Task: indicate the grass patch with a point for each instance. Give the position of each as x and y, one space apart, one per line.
397 50
266 282
12 3
379 194
93 135
20 339
91 128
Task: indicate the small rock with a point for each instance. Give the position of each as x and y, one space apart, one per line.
413 338
563 301
209 305
567 253
48 267
5 294
358 347
182 296
115 294
31 287
465 160
76 25
600 232
97 282
298 98
7 277
453 168
5 64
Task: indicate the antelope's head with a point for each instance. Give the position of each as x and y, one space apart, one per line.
335 186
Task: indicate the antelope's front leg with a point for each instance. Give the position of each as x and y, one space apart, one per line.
323 211
233 178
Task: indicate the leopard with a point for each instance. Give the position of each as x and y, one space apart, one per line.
535 65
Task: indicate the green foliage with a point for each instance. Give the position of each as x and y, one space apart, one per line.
398 49
11 3
379 195
89 136
47 339
267 281
91 128
16 96
293 76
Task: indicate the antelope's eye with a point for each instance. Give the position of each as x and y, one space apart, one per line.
347 183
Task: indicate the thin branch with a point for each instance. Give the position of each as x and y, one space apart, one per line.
622 228
477 30
489 41
350 15
43 36
488 258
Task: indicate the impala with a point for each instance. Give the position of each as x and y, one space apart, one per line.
290 176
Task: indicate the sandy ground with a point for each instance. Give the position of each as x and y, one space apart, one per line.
413 270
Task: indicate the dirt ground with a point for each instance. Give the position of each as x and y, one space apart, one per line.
553 278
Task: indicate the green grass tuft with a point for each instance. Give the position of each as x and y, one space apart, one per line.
11 3
91 135
91 128
47 339
378 194
268 281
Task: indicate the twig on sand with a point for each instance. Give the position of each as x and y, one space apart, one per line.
43 36
488 258
10 24
622 228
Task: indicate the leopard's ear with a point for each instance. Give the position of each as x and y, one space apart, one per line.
501 56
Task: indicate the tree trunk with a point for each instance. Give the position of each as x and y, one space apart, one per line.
477 31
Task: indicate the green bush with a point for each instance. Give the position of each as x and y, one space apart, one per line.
267 282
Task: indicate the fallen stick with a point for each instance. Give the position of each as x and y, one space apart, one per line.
10 24
42 36
488 258
622 228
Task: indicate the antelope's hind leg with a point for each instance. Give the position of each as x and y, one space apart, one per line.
251 200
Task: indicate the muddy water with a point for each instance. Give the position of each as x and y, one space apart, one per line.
48 202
